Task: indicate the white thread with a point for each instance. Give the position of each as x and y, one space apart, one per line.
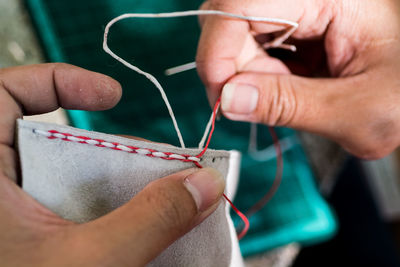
208 127
269 152
44 133
124 148
192 65
107 144
275 43
278 42
74 139
176 156
193 159
253 138
58 135
92 142
180 68
143 151
147 75
159 154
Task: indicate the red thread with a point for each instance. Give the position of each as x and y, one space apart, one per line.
212 128
238 212
246 222
242 216
278 176
274 187
186 158
198 165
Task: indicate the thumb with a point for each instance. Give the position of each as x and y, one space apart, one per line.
314 105
355 111
161 213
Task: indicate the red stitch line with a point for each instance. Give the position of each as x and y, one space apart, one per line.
198 165
134 149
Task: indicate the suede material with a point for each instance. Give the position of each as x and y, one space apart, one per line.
82 182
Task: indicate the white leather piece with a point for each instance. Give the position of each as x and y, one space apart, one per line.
81 182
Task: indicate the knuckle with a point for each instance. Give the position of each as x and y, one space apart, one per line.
60 79
279 102
57 67
369 146
371 130
205 5
60 65
380 132
221 5
371 151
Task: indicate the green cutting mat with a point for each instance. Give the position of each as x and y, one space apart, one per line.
71 31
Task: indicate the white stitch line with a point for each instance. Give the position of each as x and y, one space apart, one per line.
124 148
58 135
107 144
47 134
176 156
91 142
193 159
141 151
159 154
74 139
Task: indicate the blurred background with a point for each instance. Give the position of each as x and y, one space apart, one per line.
331 208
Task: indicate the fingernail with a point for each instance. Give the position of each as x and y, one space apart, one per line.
239 98
206 186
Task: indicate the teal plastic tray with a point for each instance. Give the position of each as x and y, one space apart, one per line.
71 31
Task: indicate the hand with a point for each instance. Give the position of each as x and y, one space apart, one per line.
133 234
355 42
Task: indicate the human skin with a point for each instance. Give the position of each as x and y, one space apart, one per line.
132 235
342 83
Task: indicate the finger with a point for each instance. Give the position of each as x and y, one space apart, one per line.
217 52
45 87
263 63
346 110
276 100
8 162
164 211
223 39
204 6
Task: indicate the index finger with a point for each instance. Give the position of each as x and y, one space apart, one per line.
220 43
223 39
43 88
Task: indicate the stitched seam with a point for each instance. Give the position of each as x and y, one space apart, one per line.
54 134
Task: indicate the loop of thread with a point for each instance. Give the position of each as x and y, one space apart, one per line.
278 176
270 193
276 43
238 212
